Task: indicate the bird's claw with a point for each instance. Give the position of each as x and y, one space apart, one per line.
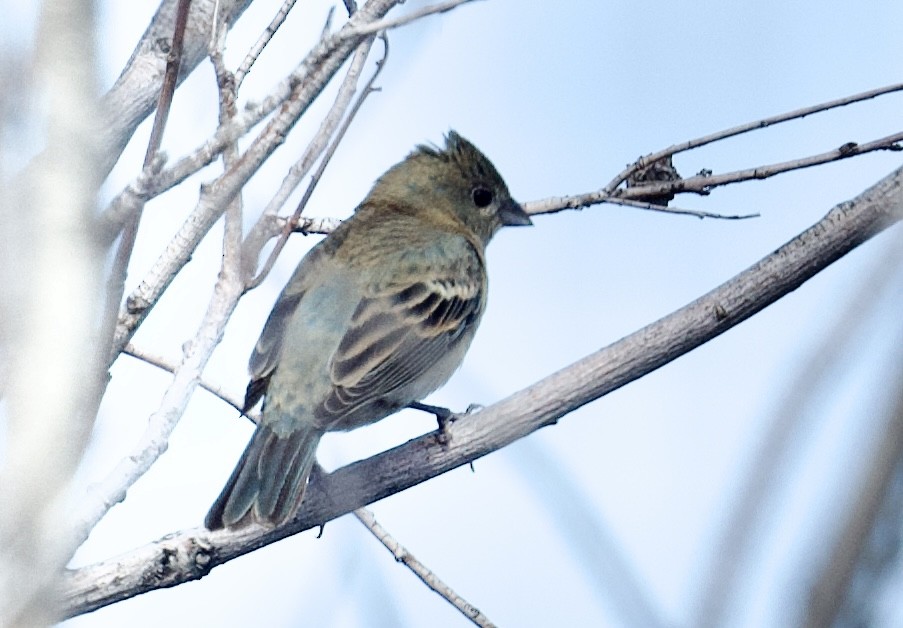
444 417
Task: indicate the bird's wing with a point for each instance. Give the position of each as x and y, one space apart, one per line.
397 334
268 349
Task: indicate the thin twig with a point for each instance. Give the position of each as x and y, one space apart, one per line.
327 24
271 226
390 23
170 366
173 65
703 184
644 162
318 174
578 201
402 555
262 42
680 211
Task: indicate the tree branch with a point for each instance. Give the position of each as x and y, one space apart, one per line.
323 60
703 183
555 204
262 42
644 162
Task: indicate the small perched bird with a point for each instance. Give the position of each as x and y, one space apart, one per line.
377 315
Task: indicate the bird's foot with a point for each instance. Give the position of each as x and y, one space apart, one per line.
444 417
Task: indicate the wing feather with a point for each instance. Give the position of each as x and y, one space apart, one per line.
397 335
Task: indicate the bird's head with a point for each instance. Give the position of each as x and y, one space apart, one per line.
457 181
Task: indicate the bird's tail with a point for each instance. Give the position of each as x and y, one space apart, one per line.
268 483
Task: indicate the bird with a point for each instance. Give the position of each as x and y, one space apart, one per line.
375 317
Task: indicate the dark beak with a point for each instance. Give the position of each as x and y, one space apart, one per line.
513 215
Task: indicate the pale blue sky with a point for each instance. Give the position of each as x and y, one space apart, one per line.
561 96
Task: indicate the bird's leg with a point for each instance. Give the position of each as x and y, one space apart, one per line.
444 416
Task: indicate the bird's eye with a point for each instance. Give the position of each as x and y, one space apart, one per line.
482 196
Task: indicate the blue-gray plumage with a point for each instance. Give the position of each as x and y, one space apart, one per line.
376 316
